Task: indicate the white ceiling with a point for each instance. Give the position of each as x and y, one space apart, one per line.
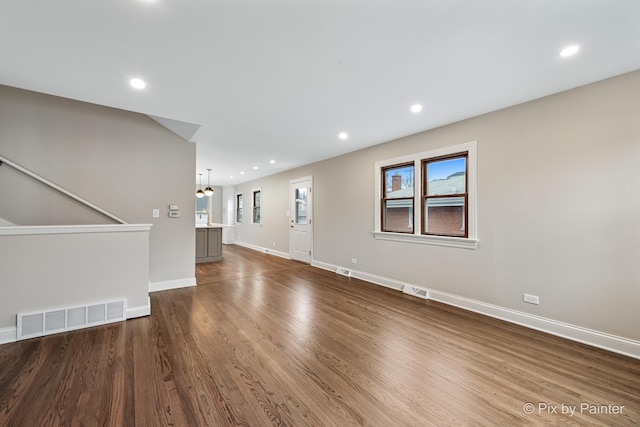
279 79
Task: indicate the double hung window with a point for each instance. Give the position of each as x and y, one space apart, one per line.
255 206
239 207
428 197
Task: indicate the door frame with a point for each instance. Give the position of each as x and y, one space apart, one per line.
309 213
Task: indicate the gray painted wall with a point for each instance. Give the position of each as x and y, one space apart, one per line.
121 161
557 209
50 271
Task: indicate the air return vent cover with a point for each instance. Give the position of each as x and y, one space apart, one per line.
416 292
31 325
343 271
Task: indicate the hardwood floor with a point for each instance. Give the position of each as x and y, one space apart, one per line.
265 341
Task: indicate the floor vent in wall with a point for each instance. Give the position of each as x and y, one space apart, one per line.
31 325
343 271
416 292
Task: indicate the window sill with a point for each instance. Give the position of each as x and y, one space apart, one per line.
453 242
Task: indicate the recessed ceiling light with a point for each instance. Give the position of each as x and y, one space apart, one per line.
231 176
255 168
569 50
343 135
272 161
137 83
241 173
416 108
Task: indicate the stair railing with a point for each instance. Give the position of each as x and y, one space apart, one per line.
4 160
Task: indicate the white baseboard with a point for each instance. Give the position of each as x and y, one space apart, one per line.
277 253
323 265
145 310
172 284
372 278
263 250
614 343
8 335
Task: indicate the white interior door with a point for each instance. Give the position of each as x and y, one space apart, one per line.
300 219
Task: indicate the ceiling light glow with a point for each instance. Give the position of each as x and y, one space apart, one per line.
416 108
343 135
255 168
569 51
137 83
272 161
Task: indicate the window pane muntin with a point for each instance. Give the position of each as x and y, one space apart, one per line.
398 198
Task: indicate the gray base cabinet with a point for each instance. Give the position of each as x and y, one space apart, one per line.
208 244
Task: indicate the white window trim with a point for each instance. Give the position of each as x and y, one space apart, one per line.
253 190
235 211
470 242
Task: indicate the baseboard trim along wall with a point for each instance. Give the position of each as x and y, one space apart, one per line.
372 278
590 337
141 311
263 250
172 284
614 343
8 335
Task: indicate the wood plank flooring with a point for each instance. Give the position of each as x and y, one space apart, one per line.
265 341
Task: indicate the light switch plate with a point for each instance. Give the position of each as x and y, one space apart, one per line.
156 213
173 207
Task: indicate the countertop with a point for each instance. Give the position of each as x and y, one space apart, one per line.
213 225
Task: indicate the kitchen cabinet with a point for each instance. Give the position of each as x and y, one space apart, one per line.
208 244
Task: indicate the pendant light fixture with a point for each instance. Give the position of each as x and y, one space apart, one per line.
208 190
200 193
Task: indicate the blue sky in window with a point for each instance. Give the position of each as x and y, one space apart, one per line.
445 168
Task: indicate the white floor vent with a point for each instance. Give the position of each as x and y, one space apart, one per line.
343 271
416 292
31 325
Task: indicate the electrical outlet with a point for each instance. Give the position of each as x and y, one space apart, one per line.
354 261
274 244
531 299
156 213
